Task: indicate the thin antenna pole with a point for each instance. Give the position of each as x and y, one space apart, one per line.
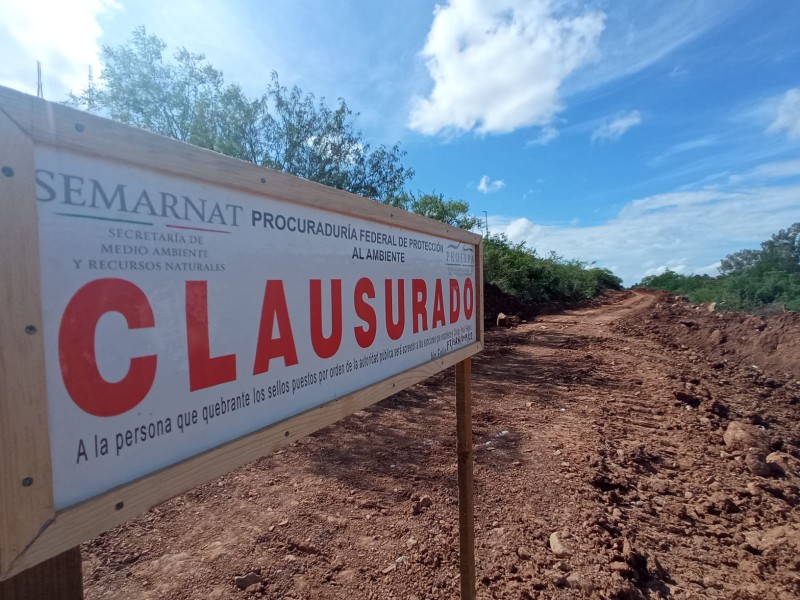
39 87
90 91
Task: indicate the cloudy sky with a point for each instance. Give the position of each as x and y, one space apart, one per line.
638 134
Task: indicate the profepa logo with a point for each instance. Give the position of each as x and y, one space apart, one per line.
87 192
459 255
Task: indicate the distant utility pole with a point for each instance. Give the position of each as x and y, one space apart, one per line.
486 217
39 87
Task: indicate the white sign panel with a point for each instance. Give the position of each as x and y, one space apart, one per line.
179 315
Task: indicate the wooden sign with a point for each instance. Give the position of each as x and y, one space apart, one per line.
169 314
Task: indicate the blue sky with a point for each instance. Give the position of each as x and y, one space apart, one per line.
639 134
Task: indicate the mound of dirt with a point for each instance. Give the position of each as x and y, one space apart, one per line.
771 342
496 301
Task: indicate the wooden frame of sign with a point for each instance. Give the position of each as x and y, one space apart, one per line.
52 379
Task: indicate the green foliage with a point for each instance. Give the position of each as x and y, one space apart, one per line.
517 270
452 212
434 206
739 261
285 129
749 280
779 253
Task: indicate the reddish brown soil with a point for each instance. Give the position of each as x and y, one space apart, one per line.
603 425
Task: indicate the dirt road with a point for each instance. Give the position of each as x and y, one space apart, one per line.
601 471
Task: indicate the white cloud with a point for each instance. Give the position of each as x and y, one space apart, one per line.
487 186
775 170
546 135
498 66
661 202
788 115
701 142
687 146
683 231
641 34
679 266
62 35
674 266
614 129
712 269
678 72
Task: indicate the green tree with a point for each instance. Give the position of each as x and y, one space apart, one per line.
173 99
519 271
739 261
750 280
780 252
435 206
285 129
311 140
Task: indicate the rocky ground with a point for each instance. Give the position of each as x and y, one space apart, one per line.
646 448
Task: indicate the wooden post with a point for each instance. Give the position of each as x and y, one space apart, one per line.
58 578
466 512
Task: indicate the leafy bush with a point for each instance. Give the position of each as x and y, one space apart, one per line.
750 280
517 270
